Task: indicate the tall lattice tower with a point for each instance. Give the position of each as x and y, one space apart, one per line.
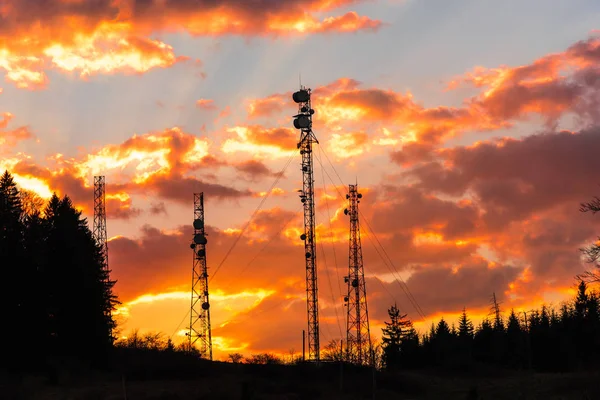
200 306
303 122
100 217
99 229
358 337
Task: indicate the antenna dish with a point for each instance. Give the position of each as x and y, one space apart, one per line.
302 122
301 96
200 239
205 306
198 224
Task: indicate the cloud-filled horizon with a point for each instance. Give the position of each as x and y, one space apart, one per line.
472 161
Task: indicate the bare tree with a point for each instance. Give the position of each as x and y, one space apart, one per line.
591 252
333 351
31 201
235 358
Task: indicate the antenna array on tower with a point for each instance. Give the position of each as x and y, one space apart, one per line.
358 337
303 122
200 306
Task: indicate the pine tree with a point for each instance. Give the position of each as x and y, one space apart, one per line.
15 291
466 333
393 334
465 326
516 345
75 328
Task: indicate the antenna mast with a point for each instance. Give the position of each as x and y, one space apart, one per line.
200 306
303 122
358 336
99 229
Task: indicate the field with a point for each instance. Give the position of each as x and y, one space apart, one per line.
204 380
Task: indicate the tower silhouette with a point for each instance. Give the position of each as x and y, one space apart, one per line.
303 122
99 228
200 306
358 337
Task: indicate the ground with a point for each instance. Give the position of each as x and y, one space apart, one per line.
166 379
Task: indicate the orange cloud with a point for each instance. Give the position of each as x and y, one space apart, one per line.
206 104
109 36
262 142
9 138
550 86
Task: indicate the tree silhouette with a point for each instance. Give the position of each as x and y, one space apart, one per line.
57 292
394 333
592 252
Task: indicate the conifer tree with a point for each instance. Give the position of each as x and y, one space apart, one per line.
393 335
14 291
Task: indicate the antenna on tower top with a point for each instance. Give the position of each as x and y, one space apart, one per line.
300 79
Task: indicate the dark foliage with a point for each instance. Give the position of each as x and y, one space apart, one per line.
56 295
545 340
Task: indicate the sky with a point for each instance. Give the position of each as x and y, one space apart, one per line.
471 127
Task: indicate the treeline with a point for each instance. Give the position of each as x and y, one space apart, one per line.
545 339
56 298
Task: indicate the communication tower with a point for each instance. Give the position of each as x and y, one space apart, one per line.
100 218
99 228
358 337
303 122
200 306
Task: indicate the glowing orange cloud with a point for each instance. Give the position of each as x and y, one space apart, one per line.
262 142
9 138
113 36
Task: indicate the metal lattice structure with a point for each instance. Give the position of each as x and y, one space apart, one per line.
99 231
358 337
200 307
303 122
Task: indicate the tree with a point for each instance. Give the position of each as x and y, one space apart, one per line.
15 293
235 358
466 332
393 334
465 326
333 351
31 202
591 252
516 345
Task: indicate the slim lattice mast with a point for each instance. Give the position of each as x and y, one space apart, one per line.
100 217
358 337
303 122
99 229
200 307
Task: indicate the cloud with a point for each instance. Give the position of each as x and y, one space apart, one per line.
158 208
443 290
105 36
10 138
514 178
162 163
254 169
550 86
206 104
260 141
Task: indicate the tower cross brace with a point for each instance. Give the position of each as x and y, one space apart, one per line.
200 330
358 337
303 122
99 231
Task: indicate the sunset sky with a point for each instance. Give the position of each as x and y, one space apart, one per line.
471 126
